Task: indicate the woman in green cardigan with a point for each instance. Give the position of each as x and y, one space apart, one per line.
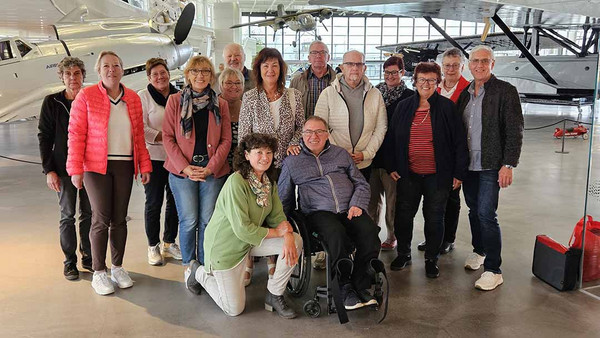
234 234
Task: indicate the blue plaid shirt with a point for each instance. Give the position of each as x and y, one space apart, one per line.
315 87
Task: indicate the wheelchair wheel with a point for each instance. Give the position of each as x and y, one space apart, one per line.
312 308
298 283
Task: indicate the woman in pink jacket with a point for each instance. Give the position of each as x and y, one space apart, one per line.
197 138
106 150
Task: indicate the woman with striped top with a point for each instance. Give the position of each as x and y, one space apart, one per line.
429 157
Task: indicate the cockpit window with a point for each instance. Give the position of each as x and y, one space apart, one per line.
23 47
5 50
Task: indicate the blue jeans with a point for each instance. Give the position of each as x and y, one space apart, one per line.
195 203
481 191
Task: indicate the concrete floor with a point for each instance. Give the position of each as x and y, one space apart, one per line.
547 197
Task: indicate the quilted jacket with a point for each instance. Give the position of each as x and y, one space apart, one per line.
88 131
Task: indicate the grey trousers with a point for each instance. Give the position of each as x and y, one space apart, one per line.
383 191
67 200
226 287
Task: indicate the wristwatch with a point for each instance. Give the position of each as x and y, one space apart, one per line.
509 166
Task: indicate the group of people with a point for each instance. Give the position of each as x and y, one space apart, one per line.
235 152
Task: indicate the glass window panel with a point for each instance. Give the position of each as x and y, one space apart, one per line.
374 22
405 22
405 38
339 22
360 48
254 30
390 22
420 22
374 31
453 30
388 39
356 21
406 31
372 49
390 30
421 31
359 31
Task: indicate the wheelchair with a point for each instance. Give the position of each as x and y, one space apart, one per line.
299 281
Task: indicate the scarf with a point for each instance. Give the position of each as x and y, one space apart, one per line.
259 188
158 96
192 101
391 94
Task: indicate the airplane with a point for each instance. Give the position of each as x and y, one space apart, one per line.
304 21
557 79
28 70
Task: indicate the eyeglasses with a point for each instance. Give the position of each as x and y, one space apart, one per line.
318 132
204 72
354 64
452 66
422 80
318 52
229 83
390 73
484 62
157 75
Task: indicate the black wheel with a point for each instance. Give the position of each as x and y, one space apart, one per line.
294 44
298 283
312 308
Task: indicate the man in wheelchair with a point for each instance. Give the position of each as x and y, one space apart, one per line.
333 195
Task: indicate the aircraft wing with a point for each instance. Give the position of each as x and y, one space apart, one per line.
283 18
497 41
515 13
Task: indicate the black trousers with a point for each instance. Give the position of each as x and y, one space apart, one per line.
342 235
155 193
451 216
409 191
67 200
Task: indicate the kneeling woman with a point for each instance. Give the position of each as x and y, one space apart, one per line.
234 234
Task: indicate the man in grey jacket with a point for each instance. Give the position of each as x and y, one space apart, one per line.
333 196
491 111
315 78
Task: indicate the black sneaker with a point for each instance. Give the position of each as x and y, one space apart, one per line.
351 300
190 278
71 272
366 298
431 268
86 263
422 246
446 248
400 262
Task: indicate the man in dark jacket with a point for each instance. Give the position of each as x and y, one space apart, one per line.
315 78
52 135
334 196
492 115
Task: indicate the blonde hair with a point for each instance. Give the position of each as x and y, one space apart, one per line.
103 54
227 72
197 61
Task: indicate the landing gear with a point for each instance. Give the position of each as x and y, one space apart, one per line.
294 44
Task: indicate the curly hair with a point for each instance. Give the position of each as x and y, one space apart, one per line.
69 62
249 142
262 57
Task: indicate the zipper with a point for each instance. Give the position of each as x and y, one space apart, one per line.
337 205
68 112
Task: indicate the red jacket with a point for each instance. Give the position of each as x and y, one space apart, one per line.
462 84
88 131
180 149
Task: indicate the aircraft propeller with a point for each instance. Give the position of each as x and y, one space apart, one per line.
184 23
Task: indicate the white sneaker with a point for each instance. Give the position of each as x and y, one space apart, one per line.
489 281
154 257
101 284
319 261
474 261
121 277
171 250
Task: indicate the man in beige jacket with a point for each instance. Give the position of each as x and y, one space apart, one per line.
355 112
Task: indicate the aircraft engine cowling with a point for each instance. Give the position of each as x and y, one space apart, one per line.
325 14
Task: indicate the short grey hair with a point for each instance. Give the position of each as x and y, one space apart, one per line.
227 72
485 48
318 42
454 52
354 51
236 45
68 62
103 54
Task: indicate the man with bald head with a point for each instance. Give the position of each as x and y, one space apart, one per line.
355 112
234 57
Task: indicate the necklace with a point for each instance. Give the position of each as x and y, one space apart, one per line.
446 87
273 97
425 118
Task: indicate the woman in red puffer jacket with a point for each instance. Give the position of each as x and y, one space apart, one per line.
106 150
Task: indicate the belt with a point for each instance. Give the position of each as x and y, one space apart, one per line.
199 158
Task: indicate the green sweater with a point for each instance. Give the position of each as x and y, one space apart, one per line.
235 226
